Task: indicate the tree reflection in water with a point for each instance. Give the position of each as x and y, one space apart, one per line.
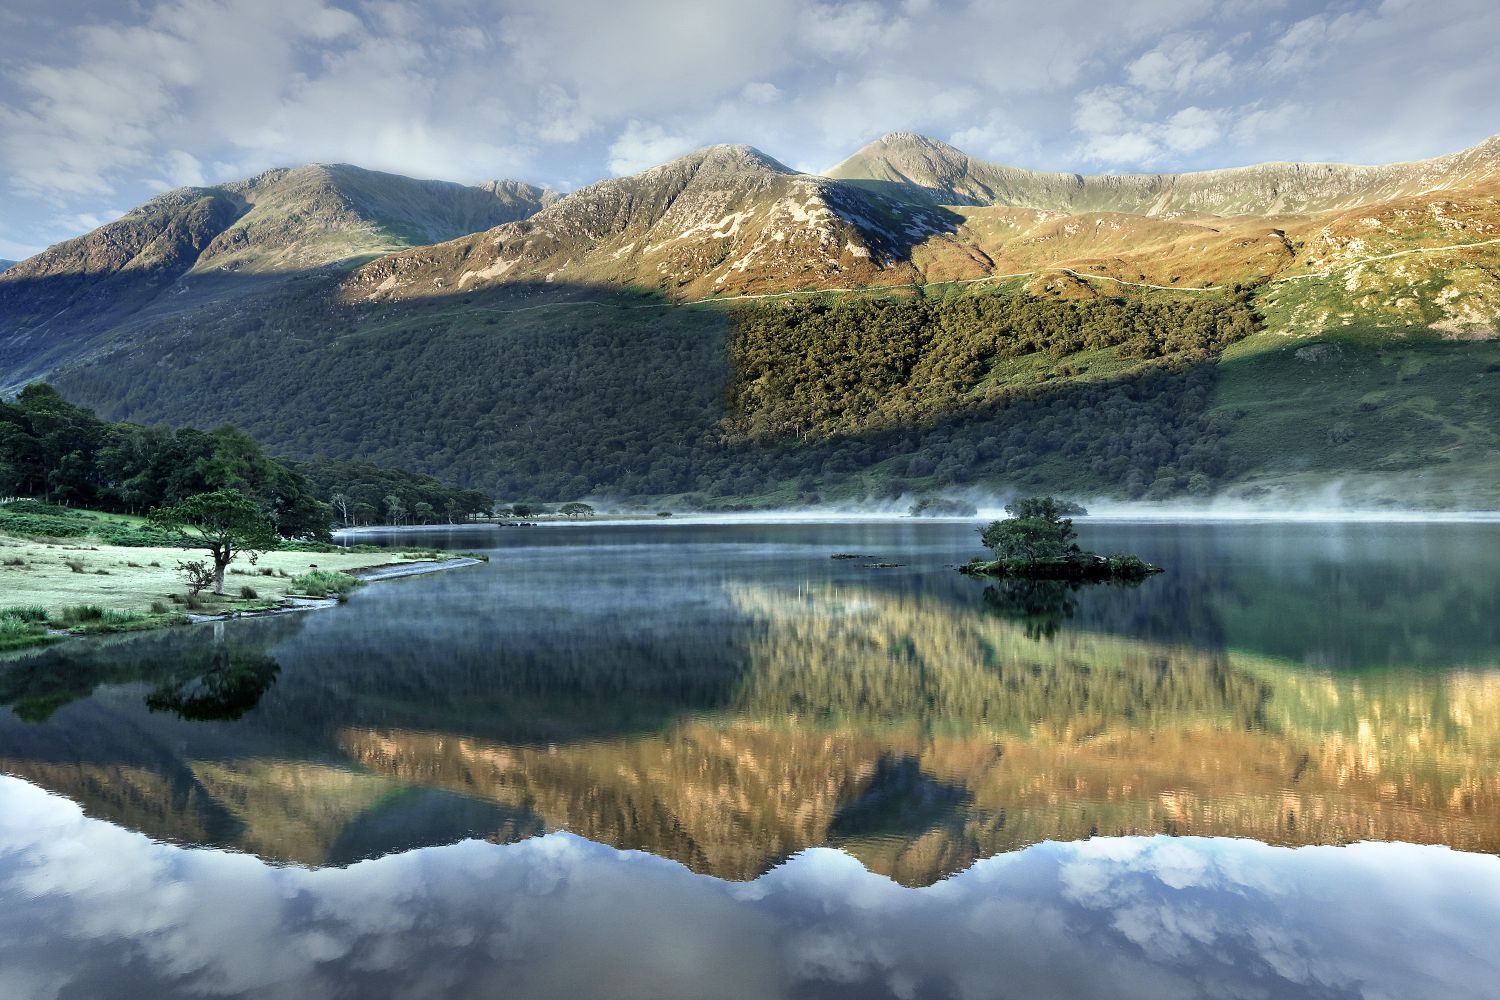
1040 607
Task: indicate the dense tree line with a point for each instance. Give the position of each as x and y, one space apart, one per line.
362 494
55 451
791 399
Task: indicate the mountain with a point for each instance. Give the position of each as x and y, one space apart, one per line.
729 221
180 250
6 265
923 321
721 220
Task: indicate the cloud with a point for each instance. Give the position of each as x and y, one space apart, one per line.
1181 64
643 145
103 104
996 137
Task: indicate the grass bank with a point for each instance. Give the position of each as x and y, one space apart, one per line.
54 587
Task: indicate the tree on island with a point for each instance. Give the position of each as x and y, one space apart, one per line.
576 510
1035 531
1037 542
225 523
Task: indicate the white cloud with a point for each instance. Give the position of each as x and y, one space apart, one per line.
835 29
760 92
1181 64
644 145
1192 129
997 137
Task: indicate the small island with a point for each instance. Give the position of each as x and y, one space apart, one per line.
1037 542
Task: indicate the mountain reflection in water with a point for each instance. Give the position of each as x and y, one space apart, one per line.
728 696
88 909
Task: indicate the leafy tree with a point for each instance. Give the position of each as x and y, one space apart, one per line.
576 509
226 523
1035 531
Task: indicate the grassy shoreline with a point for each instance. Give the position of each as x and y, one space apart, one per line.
55 588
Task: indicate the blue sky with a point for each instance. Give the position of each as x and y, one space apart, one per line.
104 103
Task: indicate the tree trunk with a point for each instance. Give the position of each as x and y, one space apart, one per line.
219 576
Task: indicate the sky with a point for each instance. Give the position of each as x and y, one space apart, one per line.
105 103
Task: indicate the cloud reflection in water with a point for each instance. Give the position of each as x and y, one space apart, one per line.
89 909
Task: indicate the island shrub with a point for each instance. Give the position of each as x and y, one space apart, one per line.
942 507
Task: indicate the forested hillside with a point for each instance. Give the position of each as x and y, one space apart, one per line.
784 402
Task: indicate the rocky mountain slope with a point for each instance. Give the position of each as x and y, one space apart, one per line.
728 221
722 220
6 265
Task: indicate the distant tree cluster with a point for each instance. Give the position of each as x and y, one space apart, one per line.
364 494
55 451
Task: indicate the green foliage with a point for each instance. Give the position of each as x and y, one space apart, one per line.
225 523
66 455
199 573
87 619
805 370
358 493
576 509
1128 566
1035 531
1049 509
21 627
324 583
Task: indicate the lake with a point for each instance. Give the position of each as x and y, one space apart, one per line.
710 759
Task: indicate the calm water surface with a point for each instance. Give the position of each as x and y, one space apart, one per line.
712 760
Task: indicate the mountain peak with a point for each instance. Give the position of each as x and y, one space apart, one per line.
724 158
912 139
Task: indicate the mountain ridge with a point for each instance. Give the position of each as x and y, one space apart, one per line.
722 219
948 175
